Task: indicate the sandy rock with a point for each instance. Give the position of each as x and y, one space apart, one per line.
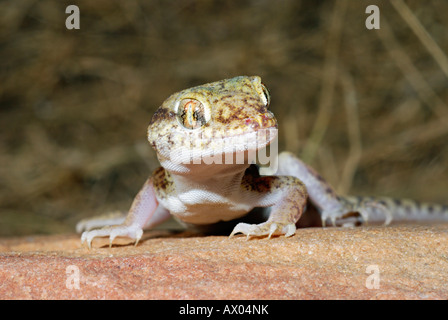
396 262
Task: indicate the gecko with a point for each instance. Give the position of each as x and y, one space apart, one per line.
206 139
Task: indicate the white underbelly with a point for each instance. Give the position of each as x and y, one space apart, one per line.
204 207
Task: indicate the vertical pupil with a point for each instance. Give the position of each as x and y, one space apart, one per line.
189 107
192 114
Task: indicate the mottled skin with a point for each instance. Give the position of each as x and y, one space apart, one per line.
205 138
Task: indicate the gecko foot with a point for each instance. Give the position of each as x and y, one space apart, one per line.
365 210
264 229
122 230
332 215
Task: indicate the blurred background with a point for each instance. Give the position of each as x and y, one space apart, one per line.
366 108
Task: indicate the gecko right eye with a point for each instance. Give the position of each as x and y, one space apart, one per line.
266 97
192 113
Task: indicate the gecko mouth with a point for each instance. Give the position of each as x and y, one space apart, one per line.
237 149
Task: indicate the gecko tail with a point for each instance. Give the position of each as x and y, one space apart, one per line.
384 209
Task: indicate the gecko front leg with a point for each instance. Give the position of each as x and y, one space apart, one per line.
143 212
287 198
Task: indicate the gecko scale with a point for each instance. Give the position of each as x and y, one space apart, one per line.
197 134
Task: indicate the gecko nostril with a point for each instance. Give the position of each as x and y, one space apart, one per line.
252 123
268 115
263 120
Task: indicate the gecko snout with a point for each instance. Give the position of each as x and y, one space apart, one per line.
263 121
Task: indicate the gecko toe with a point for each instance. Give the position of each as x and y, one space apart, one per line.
272 229
333 221
290 230
130 231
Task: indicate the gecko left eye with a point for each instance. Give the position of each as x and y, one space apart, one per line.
192 113
266 97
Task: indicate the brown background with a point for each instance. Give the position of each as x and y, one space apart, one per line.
367 108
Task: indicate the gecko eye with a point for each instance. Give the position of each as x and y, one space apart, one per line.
192 114
265 96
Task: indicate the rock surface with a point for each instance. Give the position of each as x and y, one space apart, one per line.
405 261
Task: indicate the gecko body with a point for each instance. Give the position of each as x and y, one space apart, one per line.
206 139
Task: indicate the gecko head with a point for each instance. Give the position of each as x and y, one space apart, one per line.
224 117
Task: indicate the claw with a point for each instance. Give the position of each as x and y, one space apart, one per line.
365 215
383 208
333 221
138 236
111 240
389 217
272 229
290 230
332 215
235 230
84 239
